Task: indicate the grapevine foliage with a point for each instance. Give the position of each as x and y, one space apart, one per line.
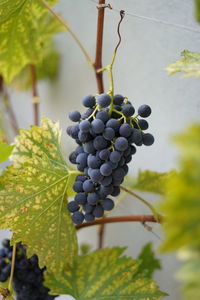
33 200
149 263
26 29
189 64
181 208
104 274
150 181
5 151
182 195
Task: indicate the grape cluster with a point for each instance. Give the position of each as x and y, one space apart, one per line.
28 277
106 135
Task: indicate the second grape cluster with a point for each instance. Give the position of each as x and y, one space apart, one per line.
106 134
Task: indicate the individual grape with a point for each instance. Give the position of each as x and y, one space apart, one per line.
106 169
2 253
88 186
78 217
114 124
93 161
81 178
83 137
98 211
144 111
122 162
88 208
118 173
121 144
106 190
116 191
89 101
118 99
148 139
74 116
93 198
74 131
106 181
136 136
82 159
89 217
108 204
78 186
89 147
109 133
79 150
126 168
143 124
96 175
100 143
87 113
103 116
133 150
125 130
97 126
73 206
104 154
115 156
104 100
80 198
85 126
128 159
128 110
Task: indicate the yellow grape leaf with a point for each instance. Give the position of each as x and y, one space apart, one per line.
181 205
189 64
25 32
104 275
5 151
149 181
33 200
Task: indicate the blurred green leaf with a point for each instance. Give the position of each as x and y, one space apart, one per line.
149 181
197 10
26 30
149 262
189 273
85 249
104 274
5 151
189 64
182 202
47 69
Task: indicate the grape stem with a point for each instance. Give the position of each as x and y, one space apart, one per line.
139 218
151 207
35 96
109 67
12 267
7 103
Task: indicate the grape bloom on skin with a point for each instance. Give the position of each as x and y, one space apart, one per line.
107 135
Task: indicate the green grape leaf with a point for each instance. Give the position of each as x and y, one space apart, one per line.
104 274
47 69
5 151
149 263
149 181
181 205
189 273
197 10
26 30
33 201
189 64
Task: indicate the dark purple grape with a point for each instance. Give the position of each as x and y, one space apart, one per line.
81 198
121 144
143 124
103 116
88 186
85 126
97 126
98 211
125 130
89 101
128 110
74 116
108 204
104 100
118 99
78 217
109 133
106 169
144 111
148 139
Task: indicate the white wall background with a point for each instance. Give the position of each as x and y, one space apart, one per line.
146 49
